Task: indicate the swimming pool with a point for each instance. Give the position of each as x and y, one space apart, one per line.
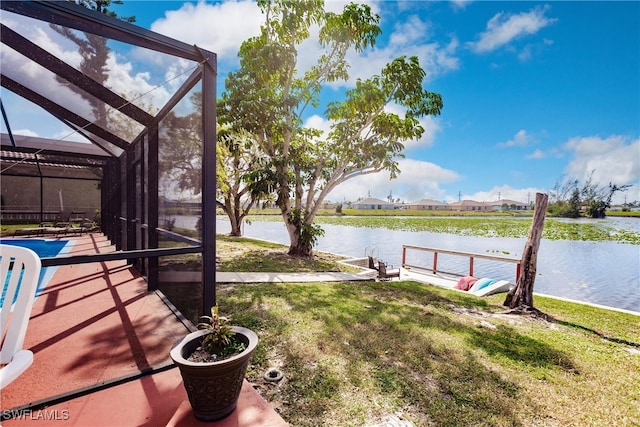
45 248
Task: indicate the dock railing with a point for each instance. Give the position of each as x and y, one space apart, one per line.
472 256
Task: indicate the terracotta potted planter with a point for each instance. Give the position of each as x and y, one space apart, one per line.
213 388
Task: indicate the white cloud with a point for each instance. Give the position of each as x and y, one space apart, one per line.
431 127
525 54
318 122
521 139
410 31
417 180
460 4
537 154
123 81
615 159
61 48
41 81
217 27
504 28
25 132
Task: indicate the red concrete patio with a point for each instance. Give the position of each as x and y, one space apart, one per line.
101 354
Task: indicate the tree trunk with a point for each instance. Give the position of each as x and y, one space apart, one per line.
300 250
521 296
234 221
296 245
235 229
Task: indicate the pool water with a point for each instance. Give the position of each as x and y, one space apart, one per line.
45 248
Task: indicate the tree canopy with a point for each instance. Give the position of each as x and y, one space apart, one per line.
570 200
269 96
94 53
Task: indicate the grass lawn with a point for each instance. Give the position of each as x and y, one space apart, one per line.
245 254
239 254
354 354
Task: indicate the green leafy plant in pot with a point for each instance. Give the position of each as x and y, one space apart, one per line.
213 362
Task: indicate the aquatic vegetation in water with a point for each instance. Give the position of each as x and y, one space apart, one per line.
498 251
490 227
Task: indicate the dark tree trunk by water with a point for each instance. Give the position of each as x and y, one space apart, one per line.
521 296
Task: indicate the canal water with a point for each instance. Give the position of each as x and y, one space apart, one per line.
606 273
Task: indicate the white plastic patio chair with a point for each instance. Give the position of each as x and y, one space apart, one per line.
24 266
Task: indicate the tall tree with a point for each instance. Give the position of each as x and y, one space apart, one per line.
94 53
181 158
238 189
269 97
238 157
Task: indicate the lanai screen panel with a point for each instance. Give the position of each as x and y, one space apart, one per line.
86 88
51 64
122 96
143 79
180 166
180 155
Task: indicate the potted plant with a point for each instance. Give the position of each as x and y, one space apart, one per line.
213 362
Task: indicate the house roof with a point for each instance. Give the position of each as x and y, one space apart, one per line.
509 202
427 202
467 203
41 157
372 201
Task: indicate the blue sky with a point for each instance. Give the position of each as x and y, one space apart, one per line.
532 91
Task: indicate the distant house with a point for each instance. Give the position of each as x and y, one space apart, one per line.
499 205
509 205
470 206
427 205
330 205
373 203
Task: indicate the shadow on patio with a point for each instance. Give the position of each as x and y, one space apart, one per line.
101 347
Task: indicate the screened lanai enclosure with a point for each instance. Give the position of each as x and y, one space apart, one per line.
126 127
